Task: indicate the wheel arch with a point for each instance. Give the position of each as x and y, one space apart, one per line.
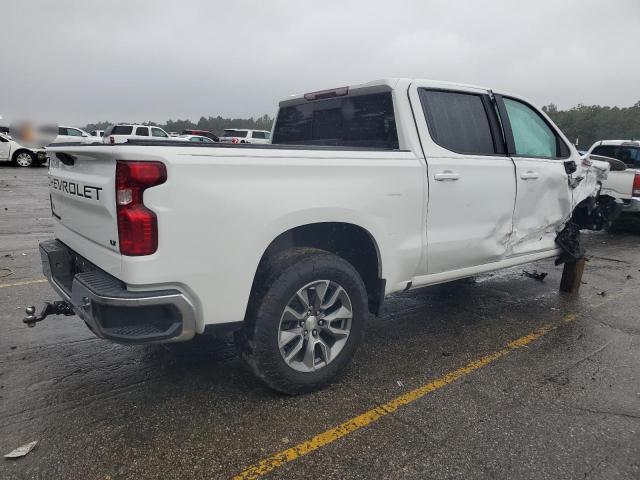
350 241
18 151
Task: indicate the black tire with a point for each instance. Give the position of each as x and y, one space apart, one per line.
24 154
275 286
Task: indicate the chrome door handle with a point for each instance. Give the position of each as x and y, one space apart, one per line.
530 175
446 175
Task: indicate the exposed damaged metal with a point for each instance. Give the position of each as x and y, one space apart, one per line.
591 211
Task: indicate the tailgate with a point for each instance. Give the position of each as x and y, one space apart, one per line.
81 184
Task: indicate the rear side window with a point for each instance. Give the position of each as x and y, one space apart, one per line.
359 121
458 121
142 131
122 130
532 135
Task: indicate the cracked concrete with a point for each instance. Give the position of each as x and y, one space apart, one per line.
565 407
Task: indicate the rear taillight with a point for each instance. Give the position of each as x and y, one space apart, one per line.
112 140
636 185
137 225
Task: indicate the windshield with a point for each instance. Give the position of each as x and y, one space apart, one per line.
235 133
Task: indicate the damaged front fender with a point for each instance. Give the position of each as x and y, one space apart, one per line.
591 210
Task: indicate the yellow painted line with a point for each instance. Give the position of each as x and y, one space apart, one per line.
367 418
25 282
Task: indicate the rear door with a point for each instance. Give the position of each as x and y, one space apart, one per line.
470 178
543 200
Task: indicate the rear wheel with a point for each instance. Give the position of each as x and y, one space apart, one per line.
305 323
24 158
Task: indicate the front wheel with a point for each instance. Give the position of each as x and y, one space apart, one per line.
24 159
305 324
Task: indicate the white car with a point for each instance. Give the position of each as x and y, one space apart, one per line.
73 135
12 151
365 191
623 185
195 138
243 135
123 132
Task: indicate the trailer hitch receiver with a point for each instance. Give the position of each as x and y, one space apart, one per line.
59 307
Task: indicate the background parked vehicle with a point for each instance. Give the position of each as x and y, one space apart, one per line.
73 134
97 133
197 139
204 133
123 132
12 151
623 185
243 135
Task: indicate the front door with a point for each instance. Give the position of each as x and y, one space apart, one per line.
543 200
470 177
5 149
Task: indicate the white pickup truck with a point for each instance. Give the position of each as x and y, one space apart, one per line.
365 190
623 185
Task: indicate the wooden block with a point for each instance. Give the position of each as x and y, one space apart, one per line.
572 276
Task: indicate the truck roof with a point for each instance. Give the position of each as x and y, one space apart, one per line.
380 85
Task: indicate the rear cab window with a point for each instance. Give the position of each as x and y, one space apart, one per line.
122 130
235 133
352 121
628 154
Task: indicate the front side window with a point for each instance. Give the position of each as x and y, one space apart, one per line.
458 121
207 140
532 136
142 131
258 135
195 139
156 132
73 132
358 121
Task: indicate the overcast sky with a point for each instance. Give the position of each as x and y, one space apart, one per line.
84 61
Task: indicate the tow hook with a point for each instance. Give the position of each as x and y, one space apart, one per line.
59 307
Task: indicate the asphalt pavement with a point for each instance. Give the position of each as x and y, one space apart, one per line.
499 377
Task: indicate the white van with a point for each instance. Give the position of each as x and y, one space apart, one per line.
243 135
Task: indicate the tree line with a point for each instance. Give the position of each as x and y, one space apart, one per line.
586 124
212 124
